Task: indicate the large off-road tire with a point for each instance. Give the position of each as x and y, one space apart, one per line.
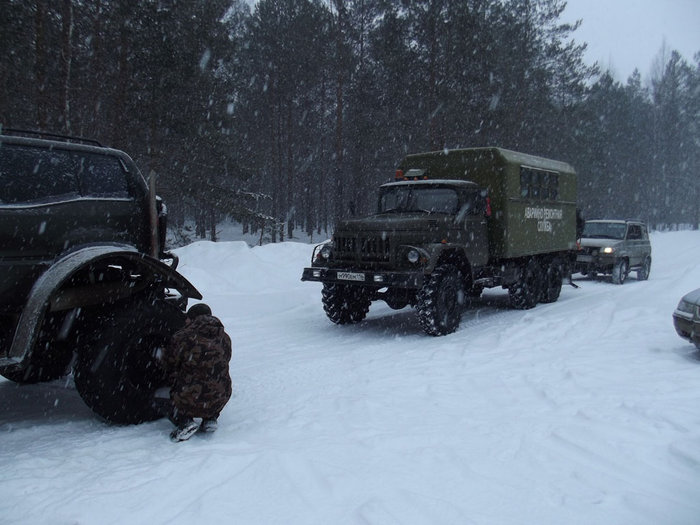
441 300
643 272
551 285
344 303
117 371
527 290
620 271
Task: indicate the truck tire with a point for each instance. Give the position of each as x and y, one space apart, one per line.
344 303
643 272
117 371
619 271
553 277
527 290
440 301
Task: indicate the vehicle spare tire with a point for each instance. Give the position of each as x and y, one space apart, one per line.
117 371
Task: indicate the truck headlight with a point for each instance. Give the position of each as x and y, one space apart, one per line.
413 256
326 252
607 250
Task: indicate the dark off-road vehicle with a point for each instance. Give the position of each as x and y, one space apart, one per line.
614 247
82 283
453 223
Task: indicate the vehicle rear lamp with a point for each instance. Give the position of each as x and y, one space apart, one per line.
399 175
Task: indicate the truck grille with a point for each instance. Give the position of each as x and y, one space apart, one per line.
362 249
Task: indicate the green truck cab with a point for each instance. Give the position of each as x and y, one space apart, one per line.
453 223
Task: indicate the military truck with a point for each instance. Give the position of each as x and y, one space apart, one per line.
85 283
451 224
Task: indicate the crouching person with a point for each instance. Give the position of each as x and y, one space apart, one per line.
197 361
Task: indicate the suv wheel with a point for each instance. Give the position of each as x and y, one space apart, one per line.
620 271
117 372
643 272
344 304
440 301
526 291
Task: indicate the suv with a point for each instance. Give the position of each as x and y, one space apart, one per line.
614 247
82 283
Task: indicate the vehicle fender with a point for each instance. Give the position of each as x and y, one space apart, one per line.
449 252
58 273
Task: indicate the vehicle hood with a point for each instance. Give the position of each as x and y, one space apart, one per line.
397 222
692 297
587 242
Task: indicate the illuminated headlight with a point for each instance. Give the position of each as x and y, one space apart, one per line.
413 256
378 278
607 249
326 251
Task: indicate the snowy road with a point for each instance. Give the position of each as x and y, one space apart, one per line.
585 411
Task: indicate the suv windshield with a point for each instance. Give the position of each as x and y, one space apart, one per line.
408 198
38 175
604 230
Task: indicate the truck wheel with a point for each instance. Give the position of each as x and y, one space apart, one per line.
117 372
440 301
553 278
526 291
619 271
344 304
643 272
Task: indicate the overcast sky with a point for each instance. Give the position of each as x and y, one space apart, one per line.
624 34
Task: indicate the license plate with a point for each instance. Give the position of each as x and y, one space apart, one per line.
584 258
351 276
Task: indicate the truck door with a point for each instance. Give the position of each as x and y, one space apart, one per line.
471 222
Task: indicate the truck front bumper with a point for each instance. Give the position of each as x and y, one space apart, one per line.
374 279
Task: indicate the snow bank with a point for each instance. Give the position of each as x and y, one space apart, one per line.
584 411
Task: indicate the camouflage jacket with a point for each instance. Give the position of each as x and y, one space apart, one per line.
197 362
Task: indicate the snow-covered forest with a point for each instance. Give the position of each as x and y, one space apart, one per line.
286 115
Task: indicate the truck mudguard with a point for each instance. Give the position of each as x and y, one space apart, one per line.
59 272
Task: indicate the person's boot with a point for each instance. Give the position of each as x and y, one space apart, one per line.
209 425
184 431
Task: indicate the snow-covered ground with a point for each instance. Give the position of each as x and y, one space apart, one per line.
585 411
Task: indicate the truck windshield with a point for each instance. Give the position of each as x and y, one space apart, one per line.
604 230
414 198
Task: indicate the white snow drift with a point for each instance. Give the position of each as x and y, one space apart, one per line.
585 411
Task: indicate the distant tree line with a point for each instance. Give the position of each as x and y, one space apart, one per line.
287 115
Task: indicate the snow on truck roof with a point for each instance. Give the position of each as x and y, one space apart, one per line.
505 155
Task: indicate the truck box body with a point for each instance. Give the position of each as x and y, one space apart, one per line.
533 199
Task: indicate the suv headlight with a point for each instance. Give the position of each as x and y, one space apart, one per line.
607 250
413 256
